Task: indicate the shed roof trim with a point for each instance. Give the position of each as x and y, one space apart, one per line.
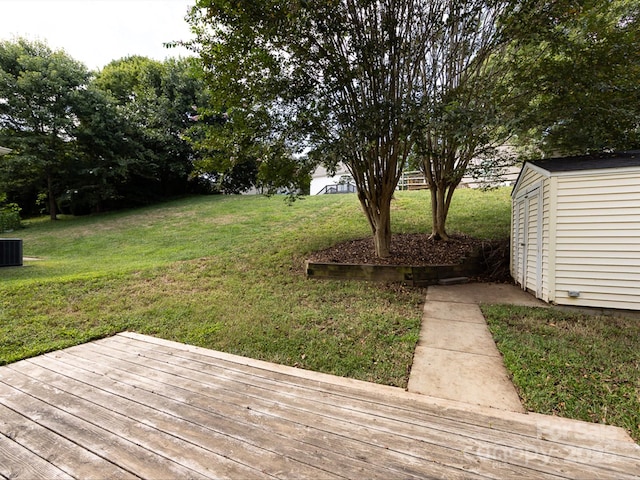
589 162
580 165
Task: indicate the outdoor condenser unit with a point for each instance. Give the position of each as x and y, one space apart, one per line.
10 252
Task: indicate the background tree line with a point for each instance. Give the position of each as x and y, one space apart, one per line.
87 142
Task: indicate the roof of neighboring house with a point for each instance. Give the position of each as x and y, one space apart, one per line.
590 162
321 171
4 151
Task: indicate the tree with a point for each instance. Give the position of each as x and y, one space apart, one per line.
38 90
108 150
336 77
156 100
563 76
578 66
464 101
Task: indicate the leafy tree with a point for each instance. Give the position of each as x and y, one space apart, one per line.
228 149
155 99
464 104
562 75
108 150
366 82
38 91
577 63
335 77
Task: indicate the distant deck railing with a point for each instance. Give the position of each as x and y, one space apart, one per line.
338 188
413 180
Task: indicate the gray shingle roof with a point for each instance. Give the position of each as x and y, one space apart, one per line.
590 162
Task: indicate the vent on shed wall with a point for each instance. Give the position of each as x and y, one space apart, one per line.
10 252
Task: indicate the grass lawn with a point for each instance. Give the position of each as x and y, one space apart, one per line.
574 365
227 273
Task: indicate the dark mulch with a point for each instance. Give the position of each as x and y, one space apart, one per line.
418 250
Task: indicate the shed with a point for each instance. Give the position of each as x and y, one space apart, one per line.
575 230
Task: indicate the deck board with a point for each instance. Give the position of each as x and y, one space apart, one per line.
134 406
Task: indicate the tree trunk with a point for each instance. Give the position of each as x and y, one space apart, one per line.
378 212
439 210
53 214
382 233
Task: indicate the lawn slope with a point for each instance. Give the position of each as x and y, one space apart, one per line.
226 273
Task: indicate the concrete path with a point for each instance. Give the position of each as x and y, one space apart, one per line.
456 357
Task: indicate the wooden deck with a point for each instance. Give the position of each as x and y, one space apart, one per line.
132 406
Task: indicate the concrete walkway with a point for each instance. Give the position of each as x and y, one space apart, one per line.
456 357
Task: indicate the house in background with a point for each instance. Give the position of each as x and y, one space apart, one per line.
575 230
341 182
4 151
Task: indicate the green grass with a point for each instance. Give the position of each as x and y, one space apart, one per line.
226 273
573 365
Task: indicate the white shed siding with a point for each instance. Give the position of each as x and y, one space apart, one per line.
529 249
598 240
532 254
548 243
528 181
517 238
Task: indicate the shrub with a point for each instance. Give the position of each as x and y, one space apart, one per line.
9 216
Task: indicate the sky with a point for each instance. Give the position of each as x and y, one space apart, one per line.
96 32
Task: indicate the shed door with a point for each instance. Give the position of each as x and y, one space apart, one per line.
527 248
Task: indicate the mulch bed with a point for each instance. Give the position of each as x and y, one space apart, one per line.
418 250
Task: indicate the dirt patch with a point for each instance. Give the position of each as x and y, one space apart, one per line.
418 250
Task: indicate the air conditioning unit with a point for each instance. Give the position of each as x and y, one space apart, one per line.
10 252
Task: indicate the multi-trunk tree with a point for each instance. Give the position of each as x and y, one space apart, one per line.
365 82
336 78
464 103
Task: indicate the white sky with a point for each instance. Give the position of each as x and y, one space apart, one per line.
96 32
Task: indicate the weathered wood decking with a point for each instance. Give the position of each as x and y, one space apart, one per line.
132 406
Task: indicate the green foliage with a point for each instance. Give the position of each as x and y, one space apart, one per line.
9 215
574 365
576 66
93 142
463 114
38 91
333 79
153 102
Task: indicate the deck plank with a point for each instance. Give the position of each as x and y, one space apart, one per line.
152 408
530 449
255 414
18 462
208 446
57 450
338 422
594 436
51 414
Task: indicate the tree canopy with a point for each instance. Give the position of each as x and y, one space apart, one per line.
577 64
366 82
334 79
39 90
281 86
464 106
90 141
